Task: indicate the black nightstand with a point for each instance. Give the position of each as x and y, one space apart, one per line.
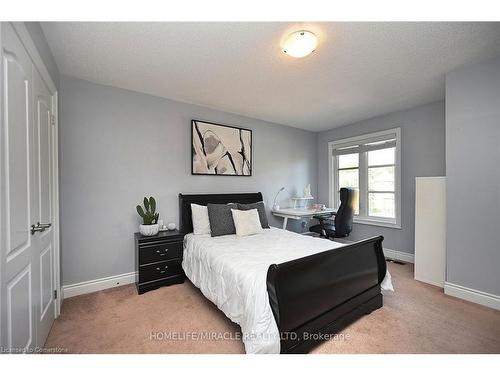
158 260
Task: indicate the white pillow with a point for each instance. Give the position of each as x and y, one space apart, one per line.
246 222
201 222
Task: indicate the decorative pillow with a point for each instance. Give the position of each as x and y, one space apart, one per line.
261 208
247 222
199 215
221 219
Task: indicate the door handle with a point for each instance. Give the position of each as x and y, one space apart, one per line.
39 227
36 229
44 226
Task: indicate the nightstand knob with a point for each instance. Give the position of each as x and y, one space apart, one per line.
158 269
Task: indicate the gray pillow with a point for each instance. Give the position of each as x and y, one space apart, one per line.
221 219
261 209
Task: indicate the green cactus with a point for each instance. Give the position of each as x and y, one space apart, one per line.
149 215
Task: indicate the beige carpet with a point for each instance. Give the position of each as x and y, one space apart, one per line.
417 318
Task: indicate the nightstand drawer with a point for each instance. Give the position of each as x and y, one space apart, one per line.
160 270
158 252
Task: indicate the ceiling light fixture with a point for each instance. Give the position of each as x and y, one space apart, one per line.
300 43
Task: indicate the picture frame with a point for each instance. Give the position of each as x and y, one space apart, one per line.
221 150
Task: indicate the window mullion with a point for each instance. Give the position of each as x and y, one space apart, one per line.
363 184
336 182
347 169
382 166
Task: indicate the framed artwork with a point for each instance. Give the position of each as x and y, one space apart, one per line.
220 150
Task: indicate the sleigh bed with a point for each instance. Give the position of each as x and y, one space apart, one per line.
287 291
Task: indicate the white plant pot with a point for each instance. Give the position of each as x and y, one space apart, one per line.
149 230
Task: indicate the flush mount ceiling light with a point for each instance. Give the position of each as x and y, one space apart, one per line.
300 43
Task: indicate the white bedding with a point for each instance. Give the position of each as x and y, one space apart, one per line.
231 272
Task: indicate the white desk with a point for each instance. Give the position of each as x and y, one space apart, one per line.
298 213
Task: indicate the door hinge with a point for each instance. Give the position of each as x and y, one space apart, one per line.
52 119
55 294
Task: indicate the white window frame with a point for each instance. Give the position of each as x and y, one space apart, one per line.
333 188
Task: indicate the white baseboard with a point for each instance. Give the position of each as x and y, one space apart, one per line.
129 278
97 284
399 255
472 295
431 282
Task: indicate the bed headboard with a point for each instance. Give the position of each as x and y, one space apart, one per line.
185 200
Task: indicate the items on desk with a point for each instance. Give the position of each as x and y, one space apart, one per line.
275 205
297 202
318 207
307 191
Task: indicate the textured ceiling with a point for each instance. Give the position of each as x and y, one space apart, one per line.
359 70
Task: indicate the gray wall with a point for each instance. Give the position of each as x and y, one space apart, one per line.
473 176
422 154
43 48
117 146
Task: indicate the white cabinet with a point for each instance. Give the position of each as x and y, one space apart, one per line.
430 230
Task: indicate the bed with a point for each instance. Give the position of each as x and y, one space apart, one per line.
286 291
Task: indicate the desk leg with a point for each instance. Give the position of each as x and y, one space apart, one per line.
285 222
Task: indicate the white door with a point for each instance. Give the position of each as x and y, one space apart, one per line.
27 272
42 149
18 194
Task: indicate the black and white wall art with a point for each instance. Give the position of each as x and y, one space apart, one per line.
220 149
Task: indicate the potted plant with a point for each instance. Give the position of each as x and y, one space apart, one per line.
149 226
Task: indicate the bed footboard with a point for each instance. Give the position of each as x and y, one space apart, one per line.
318 295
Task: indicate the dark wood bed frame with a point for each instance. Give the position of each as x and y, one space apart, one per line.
313 297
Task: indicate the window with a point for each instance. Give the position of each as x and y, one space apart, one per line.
370 164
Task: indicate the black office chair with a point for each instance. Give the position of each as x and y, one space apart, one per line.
341 225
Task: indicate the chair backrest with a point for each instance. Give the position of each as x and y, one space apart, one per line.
343 218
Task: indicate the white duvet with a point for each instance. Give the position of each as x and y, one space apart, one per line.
231 272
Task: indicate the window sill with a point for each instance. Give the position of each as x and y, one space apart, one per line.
377 223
